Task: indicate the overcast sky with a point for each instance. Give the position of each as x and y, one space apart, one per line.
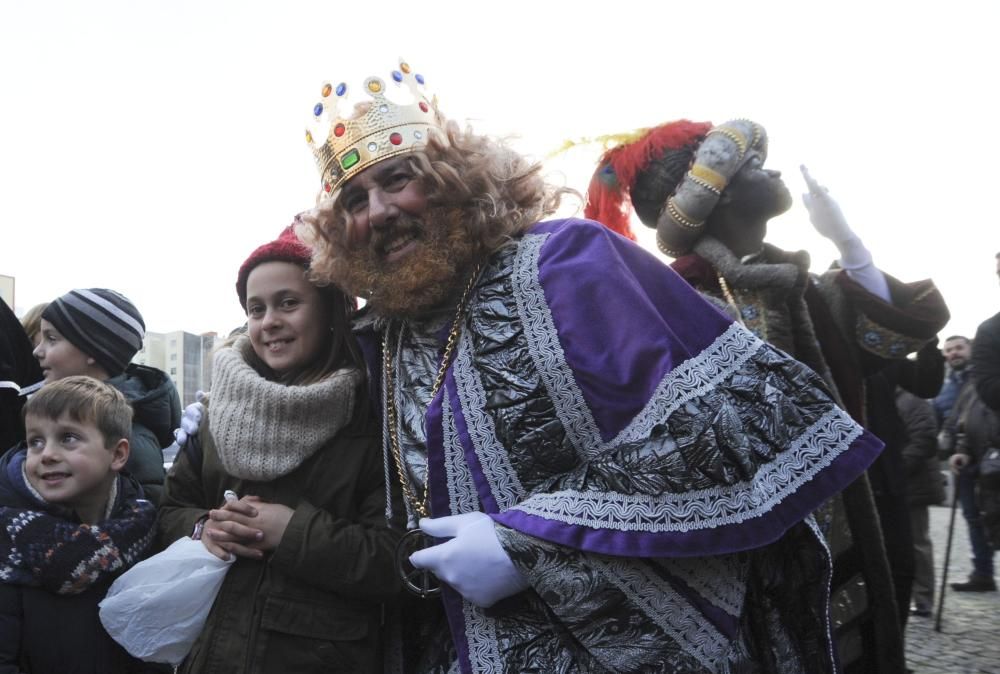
149 146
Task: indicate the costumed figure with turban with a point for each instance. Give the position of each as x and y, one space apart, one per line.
599 470
706 192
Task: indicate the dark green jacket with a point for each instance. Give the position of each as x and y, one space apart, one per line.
156 413
315 603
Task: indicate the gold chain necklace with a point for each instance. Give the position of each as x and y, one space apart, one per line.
730 298
420 507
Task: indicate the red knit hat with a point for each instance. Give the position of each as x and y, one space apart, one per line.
286 248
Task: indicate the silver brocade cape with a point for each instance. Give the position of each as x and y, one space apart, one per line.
652 467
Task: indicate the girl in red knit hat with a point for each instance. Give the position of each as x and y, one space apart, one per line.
286 429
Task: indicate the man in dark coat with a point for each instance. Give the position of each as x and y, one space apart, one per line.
976 428
986 358
705 191
924 488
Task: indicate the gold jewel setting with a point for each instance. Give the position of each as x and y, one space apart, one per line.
347 138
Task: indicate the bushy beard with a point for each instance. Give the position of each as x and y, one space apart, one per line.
423 280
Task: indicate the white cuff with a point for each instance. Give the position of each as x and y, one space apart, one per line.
856 260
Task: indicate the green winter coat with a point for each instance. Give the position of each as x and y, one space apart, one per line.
156 413
315 603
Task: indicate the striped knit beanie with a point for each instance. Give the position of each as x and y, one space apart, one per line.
103 324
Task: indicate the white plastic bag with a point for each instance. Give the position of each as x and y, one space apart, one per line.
157 609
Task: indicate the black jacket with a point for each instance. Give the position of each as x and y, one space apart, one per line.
157 412
46 633
924 484
18 368
986 362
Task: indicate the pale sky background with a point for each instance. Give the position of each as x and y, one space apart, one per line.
148 146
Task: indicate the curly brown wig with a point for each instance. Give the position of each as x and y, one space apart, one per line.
499 192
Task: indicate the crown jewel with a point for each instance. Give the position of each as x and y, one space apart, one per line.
346 141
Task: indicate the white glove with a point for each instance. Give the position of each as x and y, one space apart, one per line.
190 420
824 212
473 561
829 221
958 462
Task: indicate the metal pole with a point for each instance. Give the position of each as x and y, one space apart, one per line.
947 556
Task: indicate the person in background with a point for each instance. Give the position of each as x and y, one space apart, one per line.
96 332
32 322
287 428
18 370
957 351
976 430
924 487
986 357
975 426
70 523
706 191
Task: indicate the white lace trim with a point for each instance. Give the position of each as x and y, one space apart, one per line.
481 636
493 457
692 378
668 609
827 596
462 496
480 630
717 579
546 351
810 453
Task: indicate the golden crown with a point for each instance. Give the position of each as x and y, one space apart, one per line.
354 139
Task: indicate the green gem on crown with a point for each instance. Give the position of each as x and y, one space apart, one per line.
350 159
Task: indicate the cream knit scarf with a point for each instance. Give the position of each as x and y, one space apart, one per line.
263 429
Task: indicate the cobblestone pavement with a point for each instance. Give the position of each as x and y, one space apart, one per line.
969 640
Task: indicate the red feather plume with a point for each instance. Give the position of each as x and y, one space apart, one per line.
618 167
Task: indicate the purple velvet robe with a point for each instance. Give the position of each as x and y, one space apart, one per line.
651 467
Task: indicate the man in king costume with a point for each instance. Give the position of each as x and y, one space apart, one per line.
706 192
612 475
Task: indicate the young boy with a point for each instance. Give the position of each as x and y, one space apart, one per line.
70 523
96 332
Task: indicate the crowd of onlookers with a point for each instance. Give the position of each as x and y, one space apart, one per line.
84 495
959 425
87 449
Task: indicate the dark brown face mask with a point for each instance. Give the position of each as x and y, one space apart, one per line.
677 192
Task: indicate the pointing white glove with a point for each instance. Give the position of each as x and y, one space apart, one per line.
190 420
824 212
829 221
473 561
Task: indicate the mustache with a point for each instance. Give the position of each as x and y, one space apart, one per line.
404 225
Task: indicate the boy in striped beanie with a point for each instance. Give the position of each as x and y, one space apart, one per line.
90 331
